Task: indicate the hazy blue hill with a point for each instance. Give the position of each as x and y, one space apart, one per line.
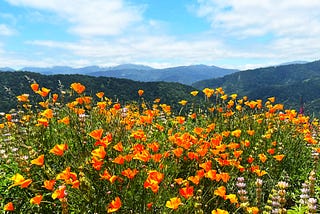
289 83
6 69
131 67
182 74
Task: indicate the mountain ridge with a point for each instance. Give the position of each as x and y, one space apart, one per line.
181 74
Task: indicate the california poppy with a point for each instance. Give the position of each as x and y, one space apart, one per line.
59 193
174 203
279 157
140 92
118 147
114 205
186 192
78 87
100 152
39 161
219 211
19 180
34 87
8 207
59 149
221 191
129 173
23 98
36 200
49 184
96 134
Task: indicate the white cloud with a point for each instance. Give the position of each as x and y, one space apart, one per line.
253 18
90 17
154 49
5 30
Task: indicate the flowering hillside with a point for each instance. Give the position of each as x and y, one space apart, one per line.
93 155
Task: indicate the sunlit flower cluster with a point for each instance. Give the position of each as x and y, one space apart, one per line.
93 155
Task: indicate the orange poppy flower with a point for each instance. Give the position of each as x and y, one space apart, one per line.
35 87
143 156
67 176
96 134
96 163
174 203
221 191
114 205
44 92
75 184
100 152
179 181
36 200
206 165
55 97
118 147
279 157
59 193
49 184
117 106
178 152
78 87
250 159
59 149
253 210
23 98
183 102
211 174
194 179
100 94
233 198
219 211
119 160
39 161
156 157
129 173
65 120
237 153
208 92
43 121
224 176
149 205
140 92
236 133
194 93
8 207
260 172
186 192
154 146
271 151
263 158
20 180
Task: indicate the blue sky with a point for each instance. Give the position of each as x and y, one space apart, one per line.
160 33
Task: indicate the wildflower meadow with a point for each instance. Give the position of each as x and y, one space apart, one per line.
75 152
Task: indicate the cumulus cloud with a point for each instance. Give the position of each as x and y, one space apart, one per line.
90 17
5 30
137 49
255 18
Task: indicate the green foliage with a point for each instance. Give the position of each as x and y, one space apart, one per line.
13 84
208 146
290 84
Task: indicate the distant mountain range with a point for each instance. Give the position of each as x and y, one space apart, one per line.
182 74
294 84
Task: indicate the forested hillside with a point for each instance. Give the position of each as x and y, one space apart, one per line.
290 84
16 83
